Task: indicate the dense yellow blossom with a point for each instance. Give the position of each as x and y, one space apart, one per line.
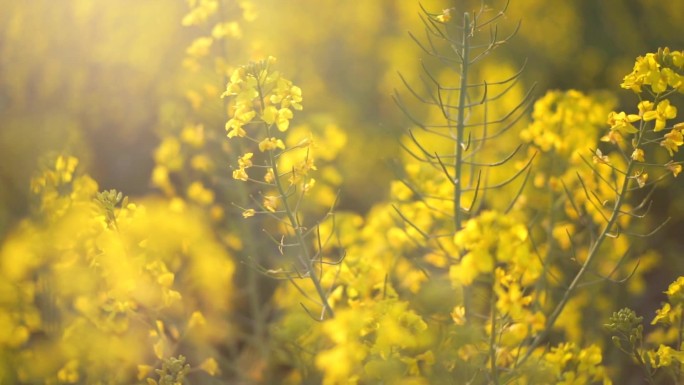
489 240
111 276
658 71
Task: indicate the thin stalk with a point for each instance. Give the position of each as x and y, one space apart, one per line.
593 252
543 284
458 158
303 257
591 256
678 367
254 297
492 340
645 366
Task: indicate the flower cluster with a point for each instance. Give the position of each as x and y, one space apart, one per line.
262 97
493 239
658 75
659 71
378 341
570 364
671 311
173 372
627 331
259 90
57 186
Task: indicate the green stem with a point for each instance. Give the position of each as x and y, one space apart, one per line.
542 284
304 257
678 367
592 254
460 129
254 296
492 340
643 364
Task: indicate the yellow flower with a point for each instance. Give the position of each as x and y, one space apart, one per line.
612 137
342 362
471 265
242 116
287 95
662 315
240 174
236 78
674 168
302 169
245 161
674 291
281 117
663 112
641 178
231 29
196 320
600 158
200 13
445 16
144 371
270 203
270 144
248 213
622 122
645 106
309 185
672 140
200 194
646 72
269 176
65 166
638 155
511 300
199 47
210 366
458 315
193 134
168 154
165 279
69 373
664 356
201 162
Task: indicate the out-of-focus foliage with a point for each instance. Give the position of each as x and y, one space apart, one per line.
101 78
95 287
86 78
281 246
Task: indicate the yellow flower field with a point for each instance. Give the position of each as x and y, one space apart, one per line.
317 192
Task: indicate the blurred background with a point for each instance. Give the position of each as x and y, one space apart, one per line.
98 79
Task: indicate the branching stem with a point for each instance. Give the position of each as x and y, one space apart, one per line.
303 257
591 256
